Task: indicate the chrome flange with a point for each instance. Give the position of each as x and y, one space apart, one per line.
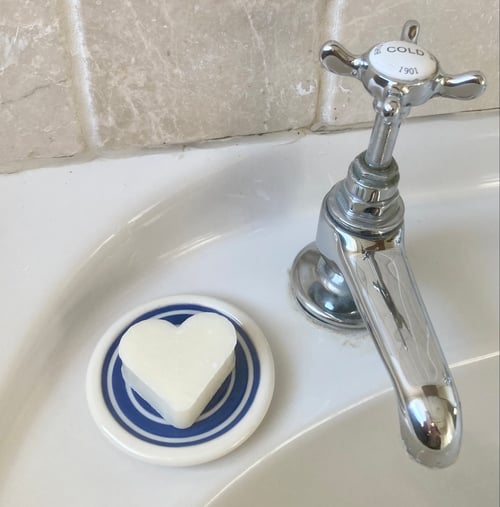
321 290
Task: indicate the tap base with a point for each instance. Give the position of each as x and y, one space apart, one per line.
321 290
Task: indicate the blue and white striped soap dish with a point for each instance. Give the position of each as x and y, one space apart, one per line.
232 415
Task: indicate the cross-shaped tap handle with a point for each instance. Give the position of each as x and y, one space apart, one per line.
401 70
399 74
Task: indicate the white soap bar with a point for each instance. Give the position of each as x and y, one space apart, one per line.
178 369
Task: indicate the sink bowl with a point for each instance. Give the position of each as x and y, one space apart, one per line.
226 221
354 459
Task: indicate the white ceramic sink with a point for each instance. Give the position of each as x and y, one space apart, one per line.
84 244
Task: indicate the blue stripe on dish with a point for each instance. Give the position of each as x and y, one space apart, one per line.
229 405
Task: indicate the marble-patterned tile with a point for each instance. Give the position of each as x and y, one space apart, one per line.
178 71
462 36
37 112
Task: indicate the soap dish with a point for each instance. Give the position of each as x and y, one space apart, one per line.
232 415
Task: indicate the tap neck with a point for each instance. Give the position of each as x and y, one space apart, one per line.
382 141
367 201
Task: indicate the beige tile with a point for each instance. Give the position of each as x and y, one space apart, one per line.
37 113
183 70
463 36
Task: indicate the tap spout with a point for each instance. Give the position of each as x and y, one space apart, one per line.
378 274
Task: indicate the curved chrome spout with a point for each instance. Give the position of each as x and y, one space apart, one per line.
358 273
384 290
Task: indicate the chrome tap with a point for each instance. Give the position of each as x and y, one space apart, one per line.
357 273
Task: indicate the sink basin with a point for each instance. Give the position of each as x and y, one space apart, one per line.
226 221
354 459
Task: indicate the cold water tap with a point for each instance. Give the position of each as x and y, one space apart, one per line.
357 272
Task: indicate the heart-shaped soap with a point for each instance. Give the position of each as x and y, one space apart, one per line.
178 369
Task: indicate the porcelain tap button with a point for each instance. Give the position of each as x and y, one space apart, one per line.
403 61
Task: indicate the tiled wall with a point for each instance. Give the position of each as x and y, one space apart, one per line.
82 76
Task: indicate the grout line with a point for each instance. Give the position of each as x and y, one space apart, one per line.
325 114
335 13
80 73
279 137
